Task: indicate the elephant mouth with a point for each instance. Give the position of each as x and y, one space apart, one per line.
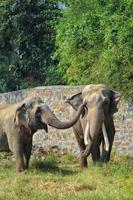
45 127
42 125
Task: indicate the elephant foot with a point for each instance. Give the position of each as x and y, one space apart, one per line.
20 168
83 163
104 159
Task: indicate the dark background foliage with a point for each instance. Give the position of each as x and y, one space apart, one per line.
27 43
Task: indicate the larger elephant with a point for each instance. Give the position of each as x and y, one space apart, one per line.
18 123
96 124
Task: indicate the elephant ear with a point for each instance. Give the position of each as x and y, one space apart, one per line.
21 118
75 101
114 100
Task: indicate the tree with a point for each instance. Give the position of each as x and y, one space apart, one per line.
94 40
27 43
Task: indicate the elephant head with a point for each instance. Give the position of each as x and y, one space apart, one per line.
33 114
101 105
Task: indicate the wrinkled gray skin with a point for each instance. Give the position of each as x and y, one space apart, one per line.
79 128
18 123
101 105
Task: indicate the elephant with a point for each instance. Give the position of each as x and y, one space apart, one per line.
18 123
95 126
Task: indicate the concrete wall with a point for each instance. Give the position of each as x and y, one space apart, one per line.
64 140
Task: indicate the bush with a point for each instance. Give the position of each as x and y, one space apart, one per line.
94 40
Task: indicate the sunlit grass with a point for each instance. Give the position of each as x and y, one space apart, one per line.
57 177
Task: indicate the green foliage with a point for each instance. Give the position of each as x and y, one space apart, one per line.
27 43
95 42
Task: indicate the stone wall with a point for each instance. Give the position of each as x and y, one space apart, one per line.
64 140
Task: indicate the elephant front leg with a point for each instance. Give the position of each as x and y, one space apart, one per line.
81 144
110 147
18 152
83 161
104 154
19 161
95 153
111 133
27 153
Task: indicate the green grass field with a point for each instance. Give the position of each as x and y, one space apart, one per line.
58 177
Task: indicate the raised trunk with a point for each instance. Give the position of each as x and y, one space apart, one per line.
50 118
87 150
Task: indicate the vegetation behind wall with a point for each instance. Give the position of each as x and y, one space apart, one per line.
93 43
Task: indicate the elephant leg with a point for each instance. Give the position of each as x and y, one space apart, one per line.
83 161
104 153
95 154
18 151
4 143
87 152
110 147
81 144
27 153
111 133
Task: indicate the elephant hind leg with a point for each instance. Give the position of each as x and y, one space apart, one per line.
4 146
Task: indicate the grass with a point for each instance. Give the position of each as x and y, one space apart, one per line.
57 178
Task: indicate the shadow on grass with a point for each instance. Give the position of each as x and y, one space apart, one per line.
50 165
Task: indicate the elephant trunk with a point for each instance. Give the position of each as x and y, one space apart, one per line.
49 118
94 123
88 149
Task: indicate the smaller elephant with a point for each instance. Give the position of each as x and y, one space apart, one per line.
18 123
96 125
